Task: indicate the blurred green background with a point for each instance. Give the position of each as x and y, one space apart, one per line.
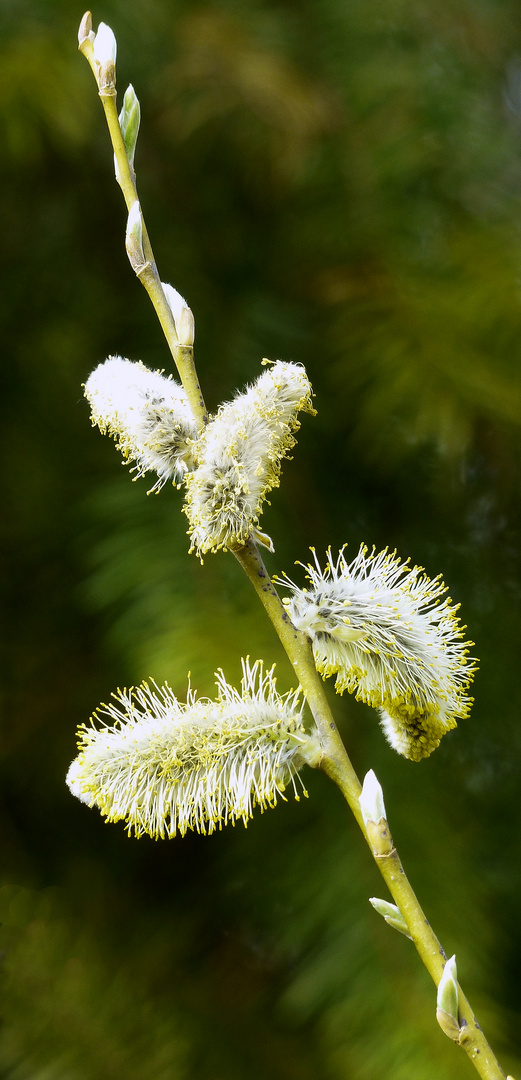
336 183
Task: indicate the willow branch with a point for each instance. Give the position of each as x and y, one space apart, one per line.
335 761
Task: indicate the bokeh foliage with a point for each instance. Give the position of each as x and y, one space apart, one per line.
332 183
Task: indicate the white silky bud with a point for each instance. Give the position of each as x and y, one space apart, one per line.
372 799
105 45
166 767
181 313
104 55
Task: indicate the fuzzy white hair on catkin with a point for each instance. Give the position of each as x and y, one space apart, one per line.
240 456
164 767
148 415
392 639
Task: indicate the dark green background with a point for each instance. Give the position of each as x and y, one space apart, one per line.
336 183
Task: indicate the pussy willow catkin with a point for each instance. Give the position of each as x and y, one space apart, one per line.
148 416
382 628
164 767
240 455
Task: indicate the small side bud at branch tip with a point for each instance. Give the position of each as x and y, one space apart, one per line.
447 1001
372 799
134 238
85 31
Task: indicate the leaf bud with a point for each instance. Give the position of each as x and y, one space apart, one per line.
391 913
129 119
447 1001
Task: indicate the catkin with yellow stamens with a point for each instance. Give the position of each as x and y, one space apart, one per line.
382 628
240 455
164 767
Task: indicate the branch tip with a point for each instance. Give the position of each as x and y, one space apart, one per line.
85 31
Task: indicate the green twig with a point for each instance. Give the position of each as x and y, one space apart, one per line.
147 274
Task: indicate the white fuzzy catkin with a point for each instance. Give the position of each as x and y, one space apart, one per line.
148 416
164 767
240 455
381 626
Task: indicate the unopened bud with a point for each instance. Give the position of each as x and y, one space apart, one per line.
134 238
105 46
263 538
85 31
105 49
374 817
447 1001
182 315
391 913
372 799
186 327
129 119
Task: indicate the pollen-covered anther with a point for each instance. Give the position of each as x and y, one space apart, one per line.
401 650
164 767
240 456
147 414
